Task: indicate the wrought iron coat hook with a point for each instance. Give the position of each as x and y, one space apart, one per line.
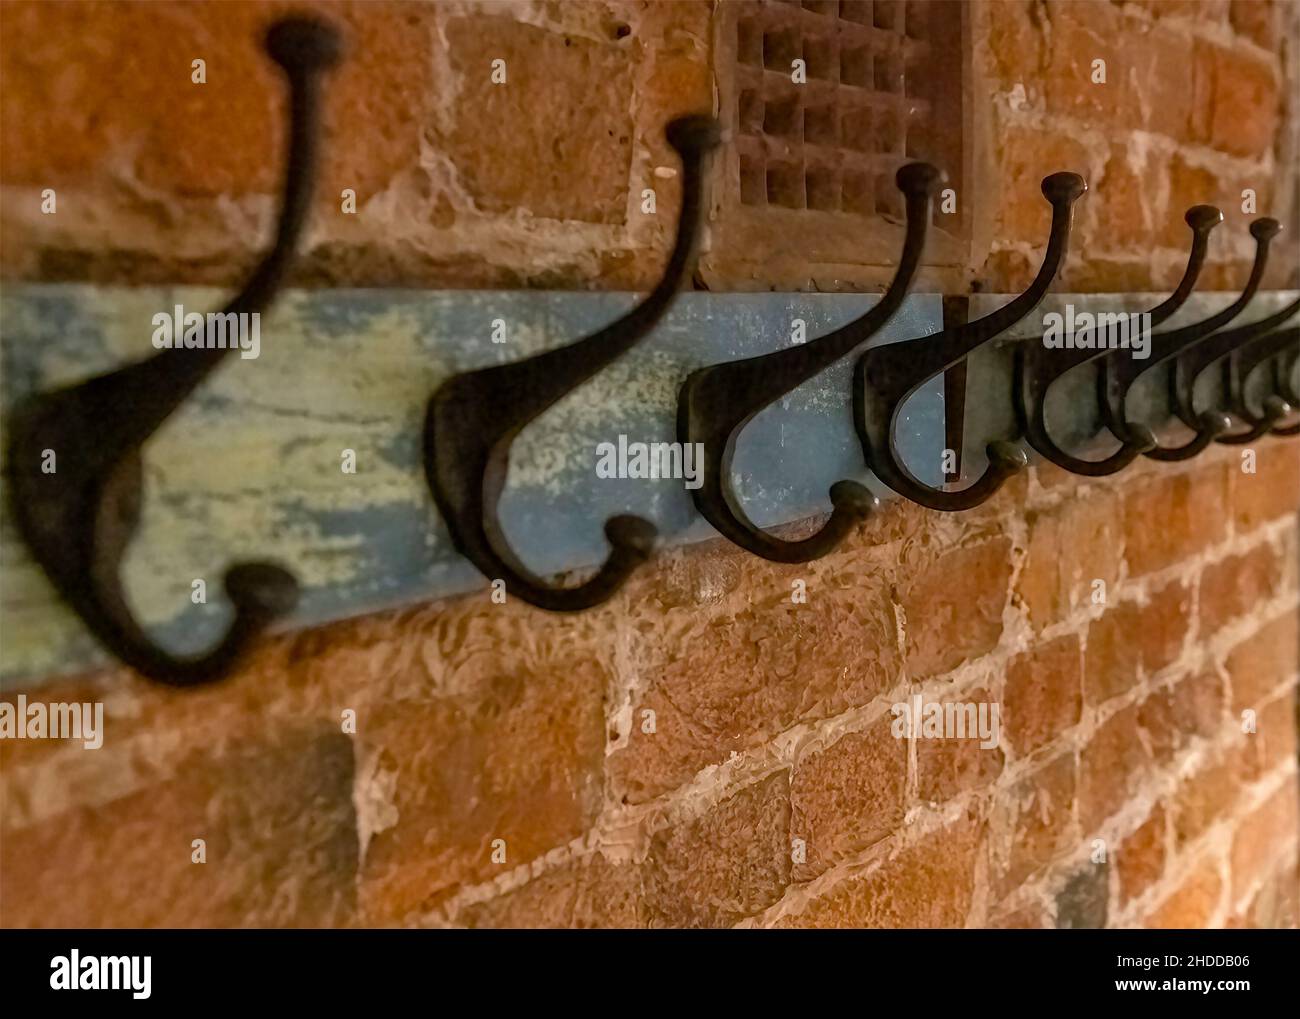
1119 374
474 417
1273 349
1240 362
1224 348
1038 368
79 520
716 403
886 376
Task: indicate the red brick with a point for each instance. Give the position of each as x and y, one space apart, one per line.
928 884
1261 663
1168 518
1173 715
144 113
731 863
593 893
1244 110
1070 547
1027 155
517 756
280 833
953 608
848 796
1257 20
1272 491
1235 586
1043 696
1266 835
1032 824
1140 858
739 670
1206 795
1192 904
947 767
1111 767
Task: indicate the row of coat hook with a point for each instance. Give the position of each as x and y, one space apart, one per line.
79 522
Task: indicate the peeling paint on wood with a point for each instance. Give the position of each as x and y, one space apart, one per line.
251 467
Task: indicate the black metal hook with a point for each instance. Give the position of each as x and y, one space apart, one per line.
79 520
1119 374
717 402
474 417
1038 368
1241 364
886 376
1224 347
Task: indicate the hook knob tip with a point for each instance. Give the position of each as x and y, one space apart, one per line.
1203 218
851 497
693 134
919 179
304 44
1215 422
1143 438
1007 457
631 534
1063 187
261 590
1276 408
1265 228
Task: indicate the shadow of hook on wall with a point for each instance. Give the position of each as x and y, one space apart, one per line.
474 417
79 519
887 376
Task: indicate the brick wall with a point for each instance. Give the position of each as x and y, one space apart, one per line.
703 750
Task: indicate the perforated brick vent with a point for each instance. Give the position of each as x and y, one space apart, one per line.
883 86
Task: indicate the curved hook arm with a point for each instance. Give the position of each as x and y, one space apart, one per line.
79 521
1119 374
1225 348
716 403
886 376
1038 368
474 417
1241 363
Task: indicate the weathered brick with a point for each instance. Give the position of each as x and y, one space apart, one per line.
509 159
953 608
515 755
1264 836
1117 201
1032 824
1193 903
1206 795
1027 155
928 884
1111 767
1257 20
593 893
281 845
948 767
739 671
848 796
1043 696
1244 107
1168 518
1081 903
1262 662
1234 586
1173 715
731 863
1070 547
1140 857
1272 491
